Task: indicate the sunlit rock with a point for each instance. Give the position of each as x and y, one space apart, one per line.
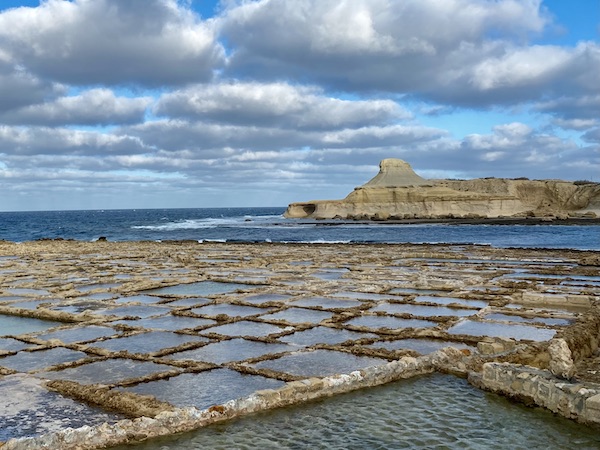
398 193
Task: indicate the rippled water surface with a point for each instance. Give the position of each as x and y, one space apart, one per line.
268 224
436 411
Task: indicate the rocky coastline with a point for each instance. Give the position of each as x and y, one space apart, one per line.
398 194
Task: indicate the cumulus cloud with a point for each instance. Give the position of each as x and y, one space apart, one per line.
61 141
592 136
19 88
275 104
200 136
512 150
82 42
108 96
467 52
93 107
571 107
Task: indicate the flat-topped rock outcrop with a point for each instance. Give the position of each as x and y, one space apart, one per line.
398 193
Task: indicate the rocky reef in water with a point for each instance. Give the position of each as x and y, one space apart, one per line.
398 193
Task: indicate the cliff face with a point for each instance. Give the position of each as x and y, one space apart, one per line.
397 192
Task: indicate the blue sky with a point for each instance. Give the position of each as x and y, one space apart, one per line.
166 103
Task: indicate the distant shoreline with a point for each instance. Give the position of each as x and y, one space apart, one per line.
480 221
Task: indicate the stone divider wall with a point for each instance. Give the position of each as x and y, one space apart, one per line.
187 419
529 385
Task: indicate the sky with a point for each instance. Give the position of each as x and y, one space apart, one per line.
110 104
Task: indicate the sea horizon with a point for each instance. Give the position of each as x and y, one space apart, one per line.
267 224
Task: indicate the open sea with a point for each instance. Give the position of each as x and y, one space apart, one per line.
269 225
437 411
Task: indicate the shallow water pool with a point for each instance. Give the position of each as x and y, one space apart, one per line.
14 325
199 288
435 411
512 331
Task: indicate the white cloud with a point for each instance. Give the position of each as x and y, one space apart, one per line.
276 95
572 107
148 42
50 141
576 124
19 88
93 107
275 104
517 150
592 136
521 67
380 44
463 52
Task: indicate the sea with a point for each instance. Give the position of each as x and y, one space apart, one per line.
268 225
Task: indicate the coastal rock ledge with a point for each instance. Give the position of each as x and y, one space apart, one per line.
398 193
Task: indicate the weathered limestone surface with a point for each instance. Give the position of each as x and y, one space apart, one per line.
397 193
561 359
186 419
452 295
540 387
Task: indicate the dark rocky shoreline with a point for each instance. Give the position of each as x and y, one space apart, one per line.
458 221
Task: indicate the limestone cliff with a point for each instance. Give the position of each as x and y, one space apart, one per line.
397 192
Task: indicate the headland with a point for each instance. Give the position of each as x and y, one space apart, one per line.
398 194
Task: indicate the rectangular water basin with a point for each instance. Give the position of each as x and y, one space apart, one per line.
230 351
201 288
330 275
146 299
93 287
451 300
229 310
492 329
324 335
14 325
110 371
141 311
79 334
25 361
319 363
245 328
188 302
360 295
12 345
205 389
298 315
422 310
31 410
30 304
389 322
168 323
79 306
514 318
99 296
422 346
327 303
150 342
264 298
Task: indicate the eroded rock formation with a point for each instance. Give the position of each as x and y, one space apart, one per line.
397 192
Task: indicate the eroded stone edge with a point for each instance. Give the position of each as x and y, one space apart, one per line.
577 401
187 419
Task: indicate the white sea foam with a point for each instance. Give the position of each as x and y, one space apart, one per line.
211 222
